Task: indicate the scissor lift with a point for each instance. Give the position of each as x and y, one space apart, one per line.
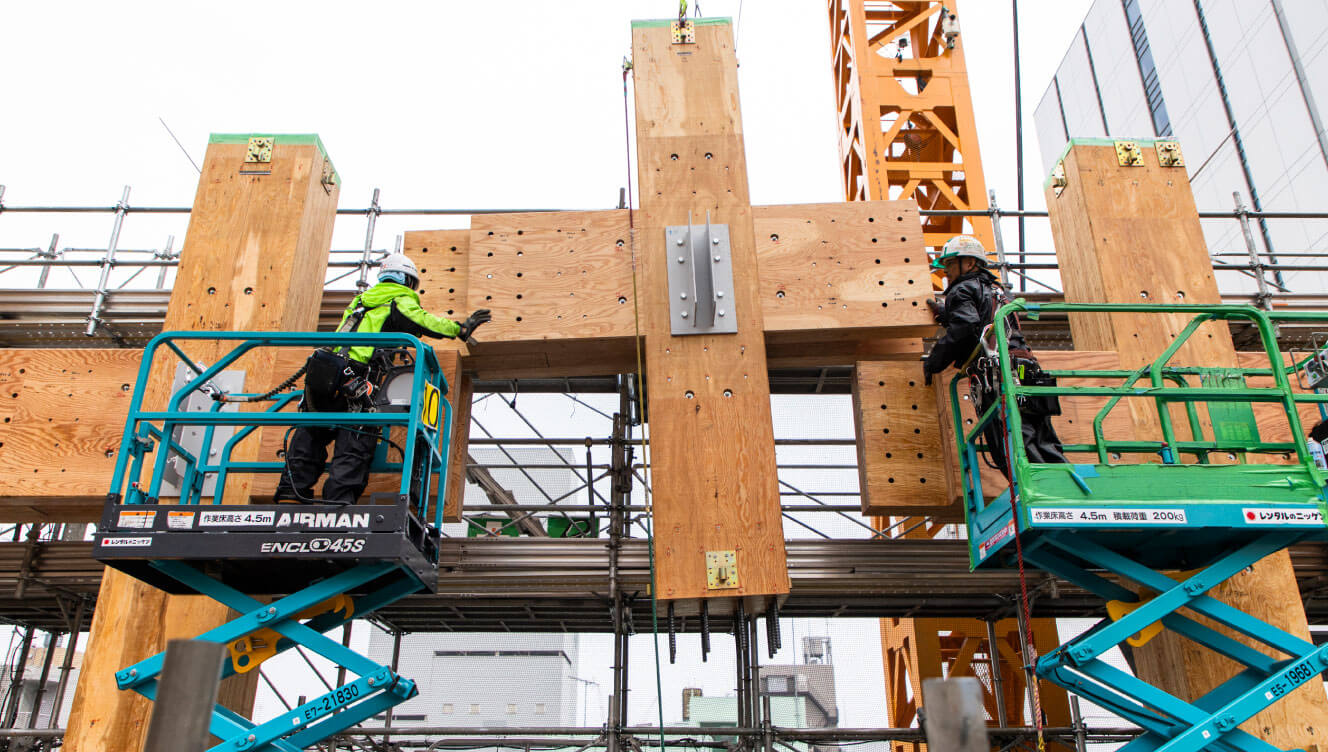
325 563
1138 512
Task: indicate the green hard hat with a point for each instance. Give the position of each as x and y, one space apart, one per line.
961 246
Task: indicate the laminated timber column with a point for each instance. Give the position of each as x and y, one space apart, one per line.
255 259
712 446
1129 233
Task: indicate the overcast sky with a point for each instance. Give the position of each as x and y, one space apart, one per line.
439 104
516 104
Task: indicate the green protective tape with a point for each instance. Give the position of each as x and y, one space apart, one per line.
296 139
1096 142
654 23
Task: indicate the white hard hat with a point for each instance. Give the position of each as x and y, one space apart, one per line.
399 263
961 246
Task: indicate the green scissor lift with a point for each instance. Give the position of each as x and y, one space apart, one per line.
1208 498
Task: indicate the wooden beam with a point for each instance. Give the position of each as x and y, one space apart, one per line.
1131 234
258 241
712 449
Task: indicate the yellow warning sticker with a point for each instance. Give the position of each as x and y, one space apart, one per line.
432 411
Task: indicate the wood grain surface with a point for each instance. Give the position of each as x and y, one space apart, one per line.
711 439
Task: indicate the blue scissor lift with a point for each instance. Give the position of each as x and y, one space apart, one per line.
1161 516
324 564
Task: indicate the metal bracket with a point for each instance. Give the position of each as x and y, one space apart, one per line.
700 279
329 175
1168 154
1128 154
684 32
260 150
1058 181
721 570
191 437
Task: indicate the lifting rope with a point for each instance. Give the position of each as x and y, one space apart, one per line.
641 384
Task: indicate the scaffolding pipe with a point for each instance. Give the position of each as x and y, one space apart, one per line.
108 263
67 664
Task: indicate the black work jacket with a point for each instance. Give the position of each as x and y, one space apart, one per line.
970 305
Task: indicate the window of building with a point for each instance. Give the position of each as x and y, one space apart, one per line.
511 708
539 708
474 708
447 708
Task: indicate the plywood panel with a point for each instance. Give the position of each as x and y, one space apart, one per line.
1131 234
843 266
257 255
901 464
63 414
711 439
552 275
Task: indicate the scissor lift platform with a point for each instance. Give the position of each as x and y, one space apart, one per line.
264 549
1151 526
326 563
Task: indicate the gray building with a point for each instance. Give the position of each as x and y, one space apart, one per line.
486 680
801 696
1241 84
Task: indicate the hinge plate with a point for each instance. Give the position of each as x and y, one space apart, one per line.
1168 154
1128 154
721 570
700 279
260 150
684 32
1058 181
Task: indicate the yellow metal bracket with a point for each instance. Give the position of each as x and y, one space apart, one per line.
1168 154
1128 154
684 32
260 150
1118 609
249 652
721 570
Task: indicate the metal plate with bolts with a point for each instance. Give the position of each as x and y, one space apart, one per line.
721 570
260 149
684 32
329 175
700 279
1128 154
1168 154
191 437
1058 181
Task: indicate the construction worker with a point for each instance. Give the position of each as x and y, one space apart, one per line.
344 380
972 295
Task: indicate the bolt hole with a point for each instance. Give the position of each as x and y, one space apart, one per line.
774 238
728 392
622 300
779 293
689 395
212 291
708 155
673 157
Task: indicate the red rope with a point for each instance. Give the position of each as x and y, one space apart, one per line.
1031 655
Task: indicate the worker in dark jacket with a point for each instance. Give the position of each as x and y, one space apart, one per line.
972 295
344 381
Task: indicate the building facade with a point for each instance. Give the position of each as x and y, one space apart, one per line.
486 680
1241 84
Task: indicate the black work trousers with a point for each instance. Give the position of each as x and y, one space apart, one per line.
1041 443
347 474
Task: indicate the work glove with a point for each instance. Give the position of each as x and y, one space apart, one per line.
936 309
469 326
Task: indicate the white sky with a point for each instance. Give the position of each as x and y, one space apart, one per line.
446 104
